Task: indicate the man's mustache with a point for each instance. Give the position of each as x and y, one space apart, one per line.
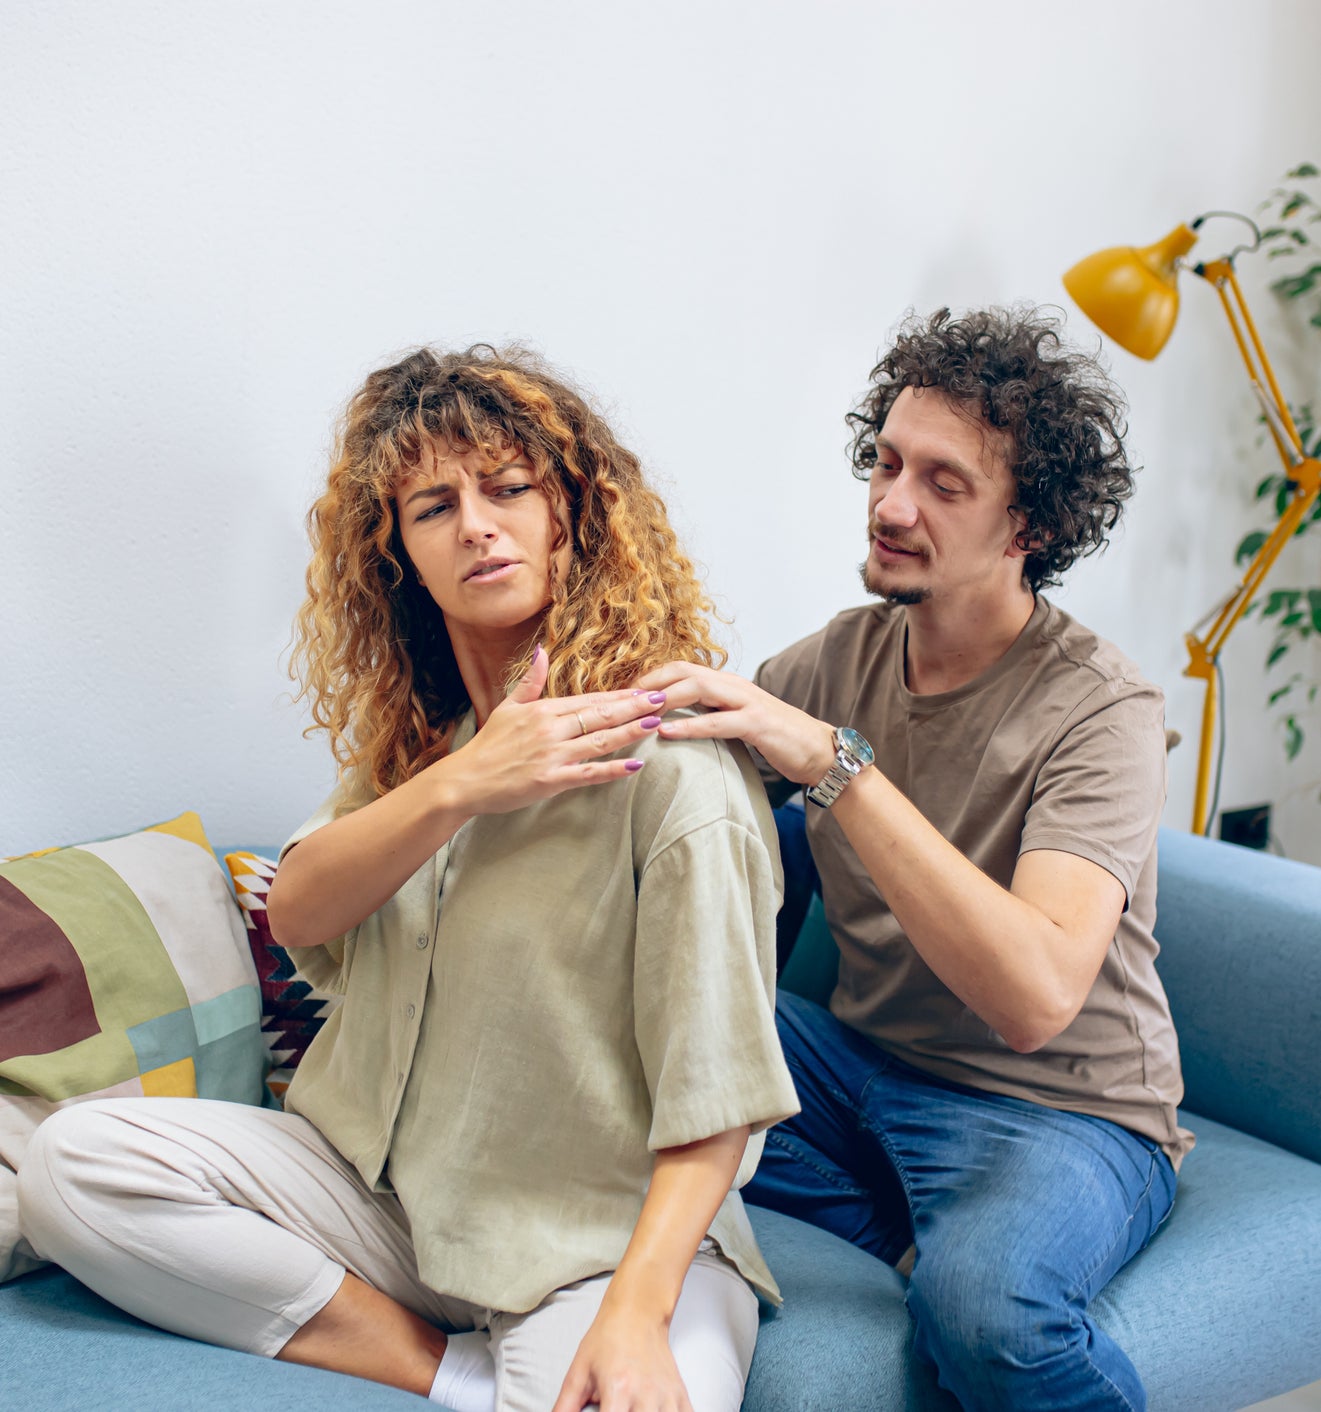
896 537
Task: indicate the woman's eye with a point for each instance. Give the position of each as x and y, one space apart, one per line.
436 510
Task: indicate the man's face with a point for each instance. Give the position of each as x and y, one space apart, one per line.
939 526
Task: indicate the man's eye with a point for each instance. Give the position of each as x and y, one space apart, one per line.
511 491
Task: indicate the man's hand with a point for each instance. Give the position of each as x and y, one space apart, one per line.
623 1364
793 744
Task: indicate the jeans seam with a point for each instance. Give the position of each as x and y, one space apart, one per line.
802 1154
882 1138
1076 1292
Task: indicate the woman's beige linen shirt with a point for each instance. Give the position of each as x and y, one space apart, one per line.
560 992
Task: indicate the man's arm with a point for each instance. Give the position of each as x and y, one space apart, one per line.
1022 958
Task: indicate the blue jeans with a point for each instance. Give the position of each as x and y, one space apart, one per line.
1019 1213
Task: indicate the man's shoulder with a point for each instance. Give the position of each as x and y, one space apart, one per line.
851 640
1071 647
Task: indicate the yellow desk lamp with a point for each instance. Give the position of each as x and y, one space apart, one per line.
1133 295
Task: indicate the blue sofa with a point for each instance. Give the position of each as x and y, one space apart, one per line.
1222 1310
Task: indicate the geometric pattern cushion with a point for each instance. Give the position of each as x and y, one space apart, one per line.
124 970
292 1011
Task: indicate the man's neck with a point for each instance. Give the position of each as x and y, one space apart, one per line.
947 649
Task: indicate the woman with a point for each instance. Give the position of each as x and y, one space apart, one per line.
506 1170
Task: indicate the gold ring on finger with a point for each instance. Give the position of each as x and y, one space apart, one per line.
582 725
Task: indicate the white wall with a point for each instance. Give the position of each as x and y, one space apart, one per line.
216 217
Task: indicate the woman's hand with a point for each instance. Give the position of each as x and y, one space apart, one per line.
530 749
793 744
623 1364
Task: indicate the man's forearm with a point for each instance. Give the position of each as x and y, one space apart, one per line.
1008 960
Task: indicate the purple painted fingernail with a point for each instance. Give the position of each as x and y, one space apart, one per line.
633 766
536 653
657 698
649 723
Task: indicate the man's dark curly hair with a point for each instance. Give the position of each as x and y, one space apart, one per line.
1063 414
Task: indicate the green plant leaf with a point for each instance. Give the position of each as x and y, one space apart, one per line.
1280 693
1305 170
1293 737
1281 601
1295 286
1249 545
1314 603
1276 653
1265 487
1293 205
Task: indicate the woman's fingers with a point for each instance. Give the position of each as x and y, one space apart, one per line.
582 716
533 682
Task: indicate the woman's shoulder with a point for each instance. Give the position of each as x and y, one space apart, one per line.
691 785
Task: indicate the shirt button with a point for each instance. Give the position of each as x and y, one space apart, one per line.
411 1011
421 943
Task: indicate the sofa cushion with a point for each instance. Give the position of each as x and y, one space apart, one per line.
1218 1312
292 1011
1221 1310
62 1346
124 970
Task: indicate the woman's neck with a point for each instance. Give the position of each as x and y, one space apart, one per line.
484 660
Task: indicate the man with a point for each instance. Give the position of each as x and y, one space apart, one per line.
995 1081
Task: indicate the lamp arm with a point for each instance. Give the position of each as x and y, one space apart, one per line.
1302 470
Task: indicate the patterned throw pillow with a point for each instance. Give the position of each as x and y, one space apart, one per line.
292 1011
124 970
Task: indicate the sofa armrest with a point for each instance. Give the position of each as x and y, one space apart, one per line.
1240 936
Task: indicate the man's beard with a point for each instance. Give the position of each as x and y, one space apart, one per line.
901 597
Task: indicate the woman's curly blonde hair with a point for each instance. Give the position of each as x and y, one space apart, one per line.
371 652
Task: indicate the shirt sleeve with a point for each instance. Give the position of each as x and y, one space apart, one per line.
703 987
1101 791
324 967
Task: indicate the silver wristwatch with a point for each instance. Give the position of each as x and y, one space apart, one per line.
852 755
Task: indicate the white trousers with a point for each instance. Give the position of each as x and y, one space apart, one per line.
234 1225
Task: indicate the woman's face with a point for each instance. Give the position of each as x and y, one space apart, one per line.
478 533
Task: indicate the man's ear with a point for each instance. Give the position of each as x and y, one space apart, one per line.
1022 543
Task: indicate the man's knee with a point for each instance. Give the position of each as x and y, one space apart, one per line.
972 1313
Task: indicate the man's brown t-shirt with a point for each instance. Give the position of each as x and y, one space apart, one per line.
1059 745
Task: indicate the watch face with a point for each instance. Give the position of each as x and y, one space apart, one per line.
849 740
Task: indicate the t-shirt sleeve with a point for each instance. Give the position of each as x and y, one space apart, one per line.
704 984
1101 791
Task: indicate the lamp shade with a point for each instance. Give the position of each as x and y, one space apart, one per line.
1132 293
